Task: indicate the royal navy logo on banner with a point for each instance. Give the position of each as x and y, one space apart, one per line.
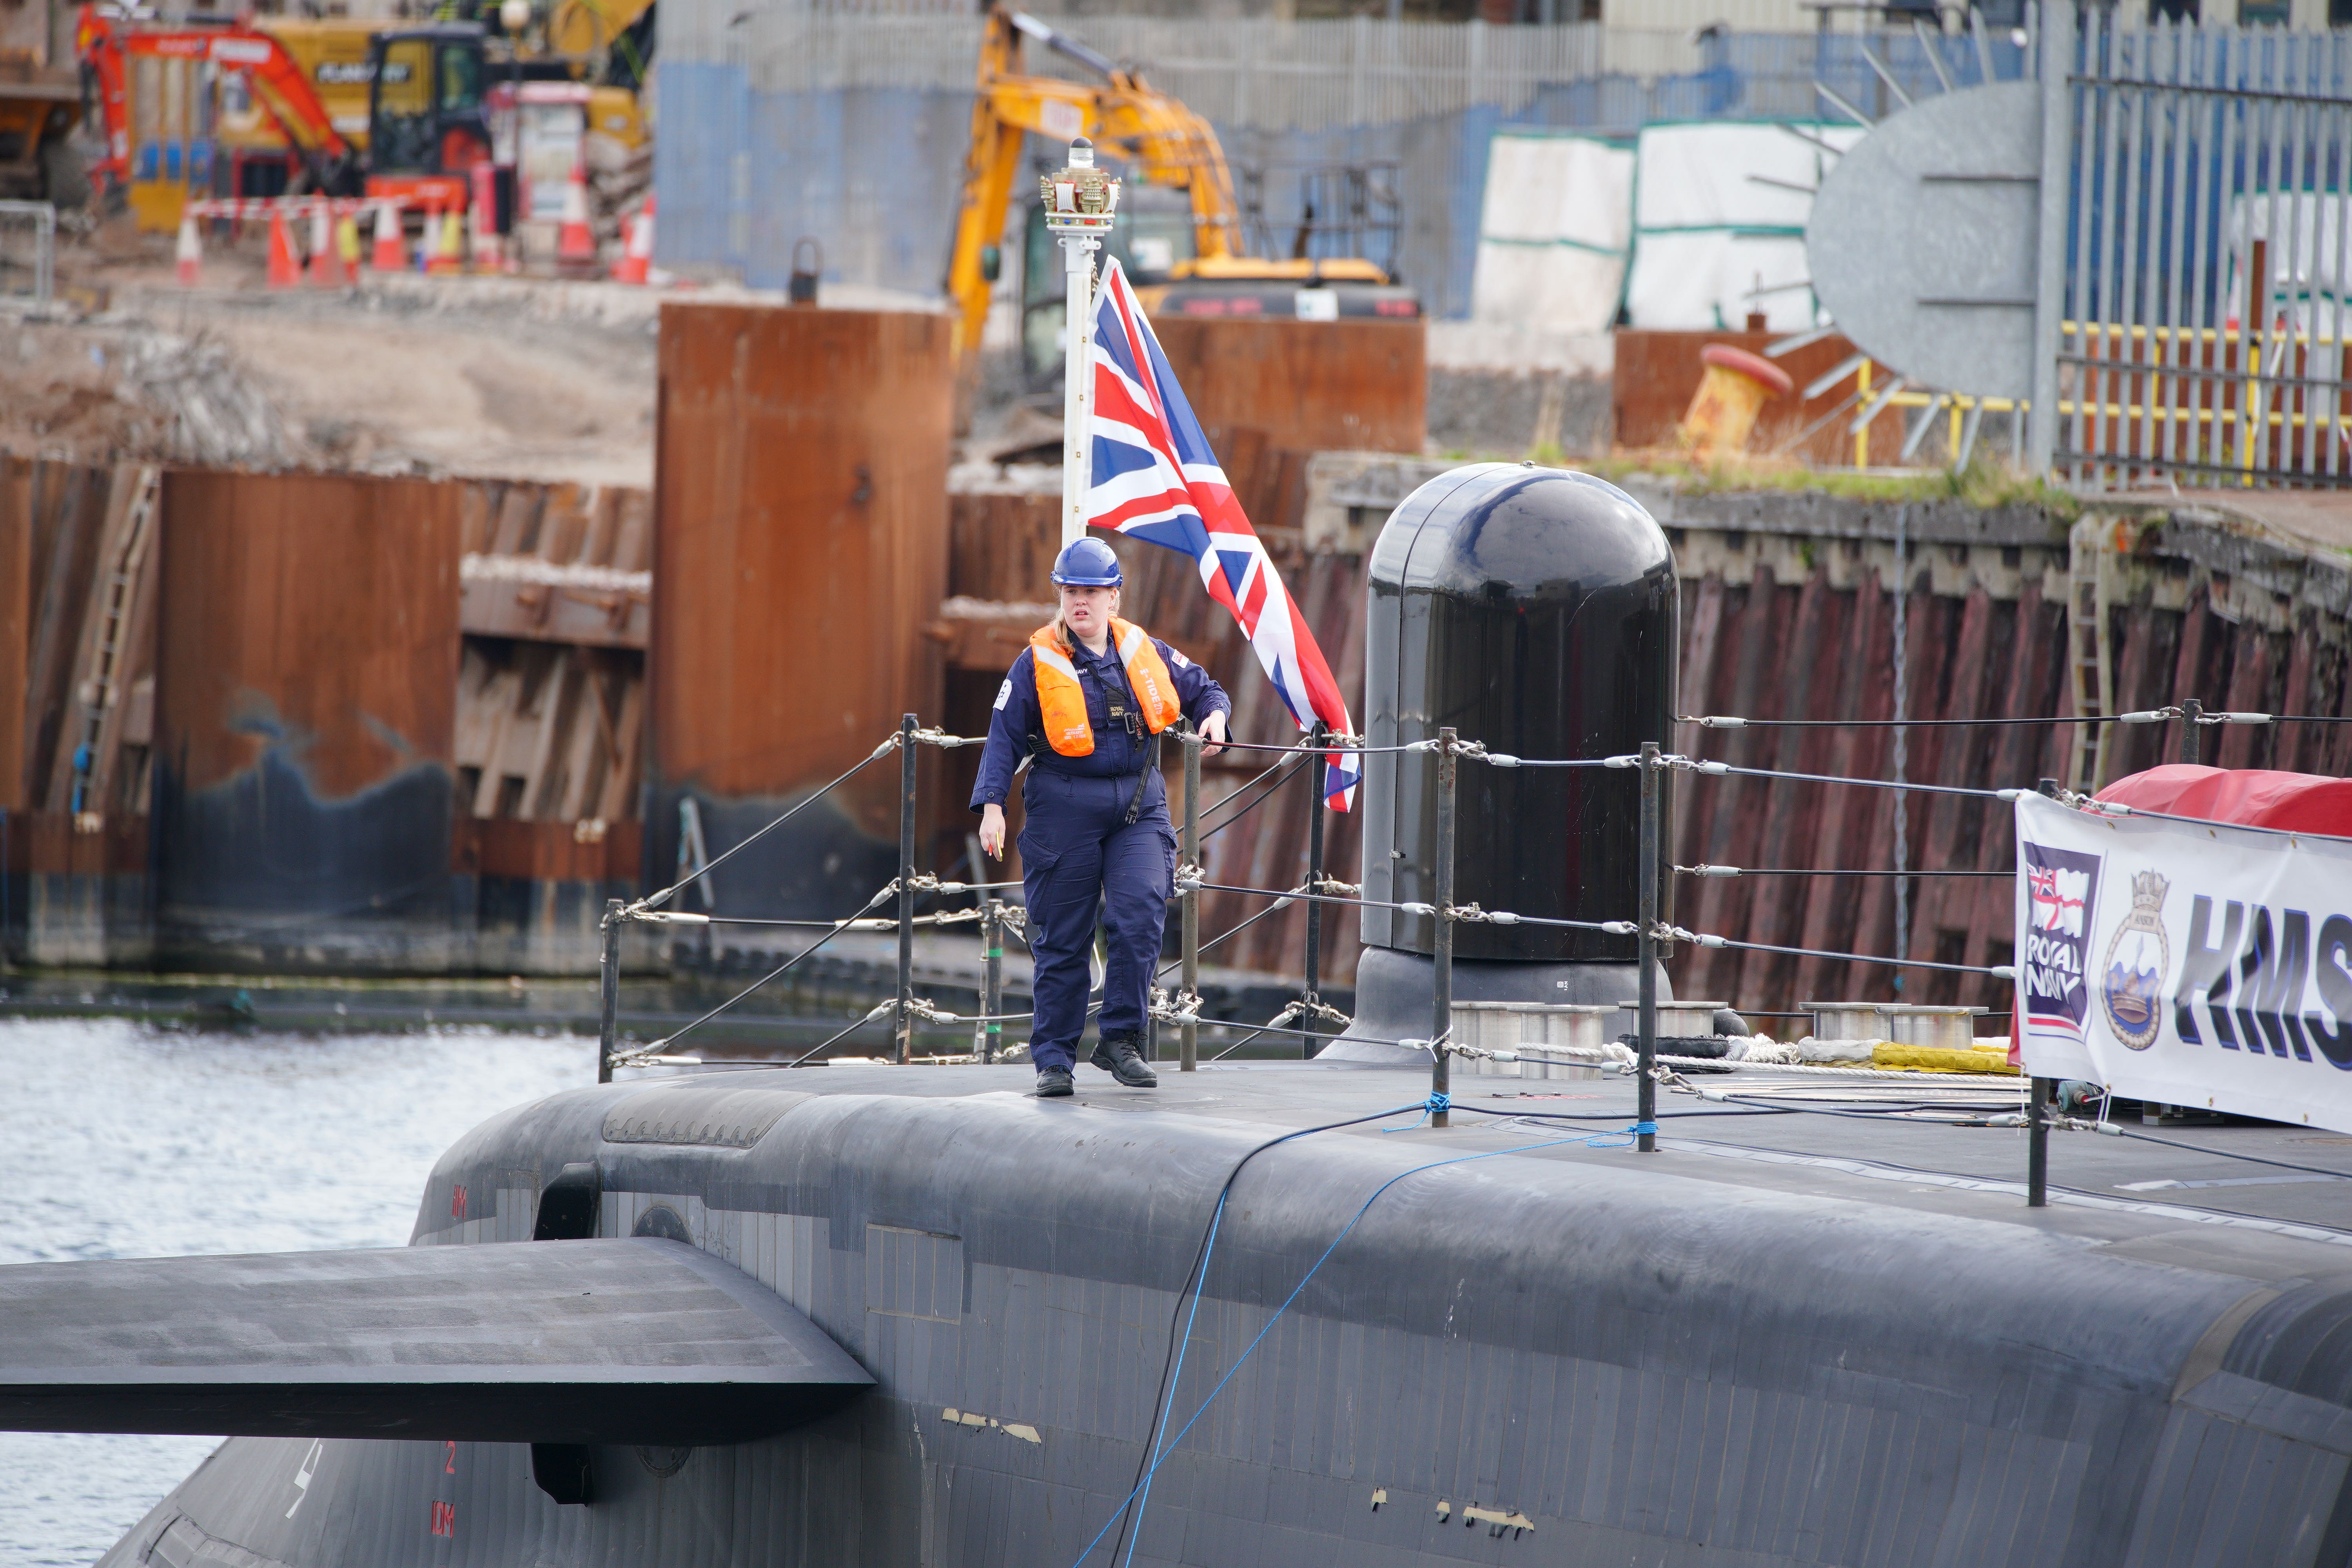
2059 885
2139 956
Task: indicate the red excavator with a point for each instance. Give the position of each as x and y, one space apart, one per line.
426 128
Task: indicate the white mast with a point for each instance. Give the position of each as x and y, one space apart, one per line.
1080 203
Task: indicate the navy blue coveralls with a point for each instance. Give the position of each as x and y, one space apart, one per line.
1079 854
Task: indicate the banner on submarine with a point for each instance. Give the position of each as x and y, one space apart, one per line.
2187 963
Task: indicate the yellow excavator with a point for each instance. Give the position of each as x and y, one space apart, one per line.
1181 241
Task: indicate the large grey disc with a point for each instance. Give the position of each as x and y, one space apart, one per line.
1921 243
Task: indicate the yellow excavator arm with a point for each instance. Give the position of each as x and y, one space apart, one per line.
1160 142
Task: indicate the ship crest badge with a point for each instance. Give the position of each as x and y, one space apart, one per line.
2139 956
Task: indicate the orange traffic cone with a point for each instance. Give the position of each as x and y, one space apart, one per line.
284 271
391 246
323 269
188 260
575 243
636 262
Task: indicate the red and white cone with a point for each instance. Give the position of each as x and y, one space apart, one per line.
390 248
575 242
188 260
636 262
285 272
482 219
325 269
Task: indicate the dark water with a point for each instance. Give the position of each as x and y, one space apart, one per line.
122 1141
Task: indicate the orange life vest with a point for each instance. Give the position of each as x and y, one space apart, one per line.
1061 704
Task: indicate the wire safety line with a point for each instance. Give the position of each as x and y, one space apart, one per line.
1297 769
1158 1455
1175 964
1249 783
1998 971
1725 721
1276 1025
1352 744
840 926
1897 784
2118 808
880 1012
683 918
656 901
1704 869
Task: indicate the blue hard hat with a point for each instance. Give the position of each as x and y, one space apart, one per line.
1087 564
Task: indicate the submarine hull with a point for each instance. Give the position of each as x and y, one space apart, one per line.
1519 1346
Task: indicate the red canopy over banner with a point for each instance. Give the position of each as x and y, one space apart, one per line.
2256 798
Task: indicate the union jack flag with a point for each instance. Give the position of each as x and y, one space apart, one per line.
2057 898
1154 477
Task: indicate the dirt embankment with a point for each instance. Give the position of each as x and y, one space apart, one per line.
514 378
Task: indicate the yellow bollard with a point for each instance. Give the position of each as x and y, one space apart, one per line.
1722 414
1862 396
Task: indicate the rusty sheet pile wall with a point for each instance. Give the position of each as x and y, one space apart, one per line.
800 550
401 726
1788 613
78 579
309 653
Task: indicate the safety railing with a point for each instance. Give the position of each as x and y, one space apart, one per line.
1307 1017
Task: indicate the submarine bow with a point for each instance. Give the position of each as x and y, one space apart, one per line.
636 1339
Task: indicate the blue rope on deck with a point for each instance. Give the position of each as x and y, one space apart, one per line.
1434 1105
1621 1140
1162 1455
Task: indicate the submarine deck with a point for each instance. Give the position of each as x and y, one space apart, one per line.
1926 1147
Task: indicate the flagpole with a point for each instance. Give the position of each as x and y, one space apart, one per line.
1080 201
1078 262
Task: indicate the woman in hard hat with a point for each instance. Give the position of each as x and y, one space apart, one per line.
1086 703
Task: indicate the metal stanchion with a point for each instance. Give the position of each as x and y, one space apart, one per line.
992 978
2037 1146
608 1028
1441 989
2190 711
1188 1034
1645 954
1312 997
903 1028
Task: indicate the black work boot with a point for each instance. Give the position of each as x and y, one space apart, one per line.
1054 1083
1119 1056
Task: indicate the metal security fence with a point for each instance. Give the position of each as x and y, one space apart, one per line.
2203 319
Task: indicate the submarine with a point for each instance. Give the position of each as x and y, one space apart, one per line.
1265 1313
